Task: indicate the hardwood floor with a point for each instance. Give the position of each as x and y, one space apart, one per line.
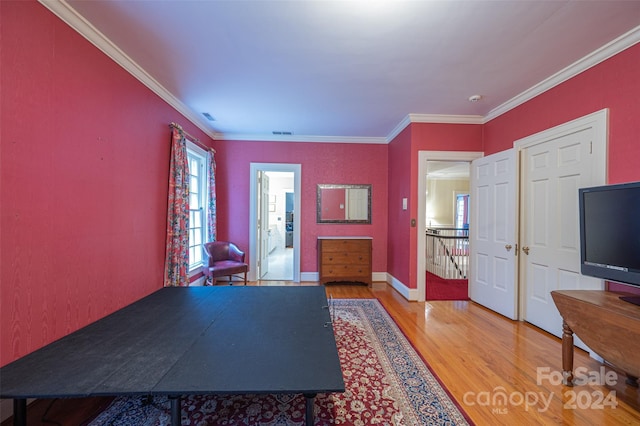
479 356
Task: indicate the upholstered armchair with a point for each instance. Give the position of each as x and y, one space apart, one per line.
225 260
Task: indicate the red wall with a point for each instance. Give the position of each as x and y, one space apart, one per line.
84 175
330 163
613 84
402 256
399 247
84 164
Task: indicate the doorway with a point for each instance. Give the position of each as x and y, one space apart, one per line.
280 221
274 233
424 157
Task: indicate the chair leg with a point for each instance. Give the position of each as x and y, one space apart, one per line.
230 279
245 277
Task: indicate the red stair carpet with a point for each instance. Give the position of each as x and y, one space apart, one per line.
441 289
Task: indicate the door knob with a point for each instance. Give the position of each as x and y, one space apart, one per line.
508 247
525 249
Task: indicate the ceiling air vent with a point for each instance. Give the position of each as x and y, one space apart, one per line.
275 132
208 116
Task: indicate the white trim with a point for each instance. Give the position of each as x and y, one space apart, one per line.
379 276
421 252
410 294
315 276
446 119
196 148
68 14
309 276
600 55
399 128
72 18
203 180
433 118
599 121
296 169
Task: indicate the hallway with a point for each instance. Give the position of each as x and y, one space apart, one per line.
280 264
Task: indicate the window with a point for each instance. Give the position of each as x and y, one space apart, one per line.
462 211
197 204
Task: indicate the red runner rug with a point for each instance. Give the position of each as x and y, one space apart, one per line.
387 383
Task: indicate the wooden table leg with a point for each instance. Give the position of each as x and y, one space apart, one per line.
567 354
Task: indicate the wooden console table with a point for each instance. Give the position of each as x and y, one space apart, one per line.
344 259
608 325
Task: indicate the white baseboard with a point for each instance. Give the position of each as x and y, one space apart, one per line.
379 276
309 276
411 294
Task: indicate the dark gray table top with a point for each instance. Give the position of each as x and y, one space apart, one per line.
193 340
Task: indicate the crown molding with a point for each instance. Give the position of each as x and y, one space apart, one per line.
301 138
433 118
446 119
66 13
600 55
399 128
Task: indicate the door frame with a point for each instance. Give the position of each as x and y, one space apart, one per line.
296 169
423 157
599 121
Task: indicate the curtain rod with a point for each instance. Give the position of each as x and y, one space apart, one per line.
192 138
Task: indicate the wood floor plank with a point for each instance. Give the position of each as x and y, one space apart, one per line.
478 355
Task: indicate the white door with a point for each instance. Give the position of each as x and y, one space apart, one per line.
263 224
551 173
492 233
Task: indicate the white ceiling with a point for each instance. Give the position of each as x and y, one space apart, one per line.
349 69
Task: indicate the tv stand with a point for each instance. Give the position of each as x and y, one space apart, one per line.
608 325
631 299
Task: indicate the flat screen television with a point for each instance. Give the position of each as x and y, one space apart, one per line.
610 233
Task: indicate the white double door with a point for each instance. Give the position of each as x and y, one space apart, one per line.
524 224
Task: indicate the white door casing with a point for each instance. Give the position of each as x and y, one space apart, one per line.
555 163
296 169
423 157
492 233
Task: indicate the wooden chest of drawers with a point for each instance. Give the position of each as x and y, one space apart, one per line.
344 259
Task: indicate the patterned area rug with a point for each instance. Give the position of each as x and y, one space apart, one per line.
387 383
